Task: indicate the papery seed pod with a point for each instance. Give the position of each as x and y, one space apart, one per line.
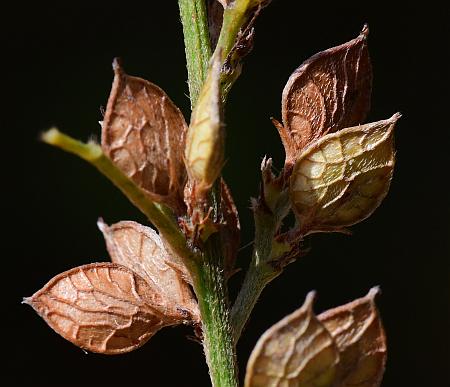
297 351
140 249
342 178
344 346
358 332
101 307
143 133
204 153
328 92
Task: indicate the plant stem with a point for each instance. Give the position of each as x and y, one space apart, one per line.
259 273
212 294
209 282
158 214
234 18
269 210
197 44
256 279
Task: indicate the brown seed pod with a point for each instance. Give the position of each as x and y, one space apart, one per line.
358 332
344 346
328 92
143 133
140 249
297 351
101 307
342 178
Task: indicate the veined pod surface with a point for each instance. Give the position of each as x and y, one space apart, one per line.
330 91
101 307
357 329
344 346
143 133
295 352
204 153
141 249
342 178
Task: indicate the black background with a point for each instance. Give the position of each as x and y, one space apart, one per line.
58 72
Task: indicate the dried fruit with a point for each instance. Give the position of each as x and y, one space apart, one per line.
344 347
328 92
143 133
140 249
358 332
113 308
205 140
101 307
297 351
342 178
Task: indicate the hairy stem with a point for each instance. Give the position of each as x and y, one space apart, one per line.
259 273
209 282
269 210
158 214
197 44
212 293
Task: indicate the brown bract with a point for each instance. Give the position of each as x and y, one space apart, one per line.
140 249
101 307
328 92
143 133
342 347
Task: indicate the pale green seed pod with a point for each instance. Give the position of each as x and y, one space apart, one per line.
204 153
342 178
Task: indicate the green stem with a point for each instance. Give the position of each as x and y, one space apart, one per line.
260 271
269 210
256 279
212 294
158 214
234 18
209 281
197 44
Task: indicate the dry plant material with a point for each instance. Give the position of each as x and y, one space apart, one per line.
342 178
143 133
230 228
206 139
113 308
101 307
297 351
336 174
342 347
328 92
359 335
140 249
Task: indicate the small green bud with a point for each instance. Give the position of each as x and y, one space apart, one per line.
204 153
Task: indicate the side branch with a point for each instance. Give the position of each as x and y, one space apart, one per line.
158 214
